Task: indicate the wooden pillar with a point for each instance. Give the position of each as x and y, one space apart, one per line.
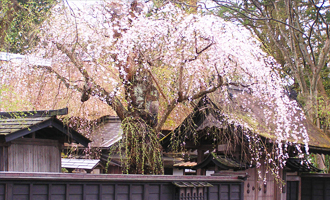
200 158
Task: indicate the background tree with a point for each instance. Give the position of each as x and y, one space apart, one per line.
19 20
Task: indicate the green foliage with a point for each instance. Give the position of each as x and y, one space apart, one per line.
323 113
325 76
64 170
20 21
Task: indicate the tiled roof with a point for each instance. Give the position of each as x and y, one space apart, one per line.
107 132
79 163
11 122
14 125
8 126
185 164
212 111
301 165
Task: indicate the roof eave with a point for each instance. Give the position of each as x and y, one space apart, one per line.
52 122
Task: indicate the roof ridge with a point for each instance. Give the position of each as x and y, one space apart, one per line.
34 114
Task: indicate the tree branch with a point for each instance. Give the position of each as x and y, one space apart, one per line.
321 62
257 19
157 84
199 52
96 90
64 80
174 102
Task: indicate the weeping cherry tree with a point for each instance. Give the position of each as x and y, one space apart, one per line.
146 63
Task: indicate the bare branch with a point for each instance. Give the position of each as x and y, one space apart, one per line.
321 62
204 92
239 84
318 9
164 117
73 58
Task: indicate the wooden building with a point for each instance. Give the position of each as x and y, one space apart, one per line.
32 141
220 146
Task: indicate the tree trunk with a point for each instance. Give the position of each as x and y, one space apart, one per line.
143 98
143 151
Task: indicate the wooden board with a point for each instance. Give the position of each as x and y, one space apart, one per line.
34 156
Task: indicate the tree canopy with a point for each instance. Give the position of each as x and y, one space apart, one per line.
144 63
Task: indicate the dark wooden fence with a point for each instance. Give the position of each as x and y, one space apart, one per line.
315 187
48 186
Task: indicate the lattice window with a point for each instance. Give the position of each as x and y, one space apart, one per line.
191 190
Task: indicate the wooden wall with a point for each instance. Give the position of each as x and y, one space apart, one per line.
33 155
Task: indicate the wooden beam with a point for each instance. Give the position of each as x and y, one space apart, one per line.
71 133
